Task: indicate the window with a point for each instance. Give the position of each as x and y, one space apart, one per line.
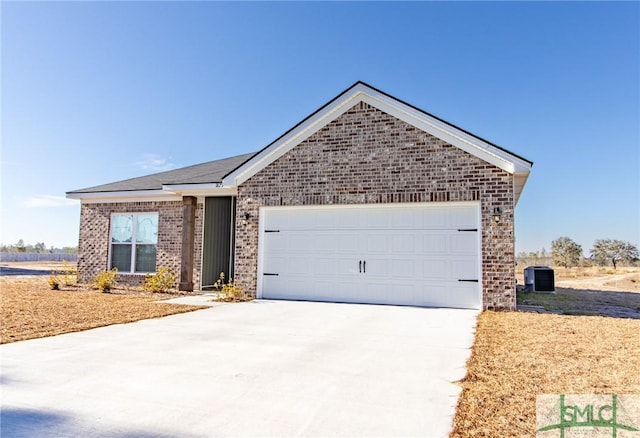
134 238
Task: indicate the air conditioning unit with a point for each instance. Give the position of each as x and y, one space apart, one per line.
539 279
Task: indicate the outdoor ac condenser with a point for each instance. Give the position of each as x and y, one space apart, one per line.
539 279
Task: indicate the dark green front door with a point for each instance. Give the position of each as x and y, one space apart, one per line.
217 247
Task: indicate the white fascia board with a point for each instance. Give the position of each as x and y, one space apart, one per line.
212 189
124 196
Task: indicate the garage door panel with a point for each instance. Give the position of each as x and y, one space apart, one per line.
275 242
374 267
325 241
464 243
435 243
400 268
377 242
376 293
299 265
434 294
334 266
406 219
292 287
349 243
414 254
403 243
340 291
464 268
435 269
434 218
322 265
464 293
298 242
376 218
464 217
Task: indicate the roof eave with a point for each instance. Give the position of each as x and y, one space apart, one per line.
519 181
169 192
123 196
209 189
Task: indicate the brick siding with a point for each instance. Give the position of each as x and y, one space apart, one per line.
93 250
366 156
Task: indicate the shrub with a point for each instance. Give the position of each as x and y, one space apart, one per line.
66 275
106 280
54 282
162 281
69 274
231 290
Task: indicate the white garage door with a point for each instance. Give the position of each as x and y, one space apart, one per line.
407 254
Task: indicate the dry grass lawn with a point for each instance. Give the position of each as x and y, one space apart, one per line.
517 356
29 309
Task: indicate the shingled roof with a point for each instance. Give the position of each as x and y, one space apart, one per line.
205 173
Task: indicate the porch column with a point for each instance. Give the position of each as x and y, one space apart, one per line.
189 204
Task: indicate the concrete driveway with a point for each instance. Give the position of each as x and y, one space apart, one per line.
262 368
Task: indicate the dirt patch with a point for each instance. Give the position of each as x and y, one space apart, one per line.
29 309
517 356
614 282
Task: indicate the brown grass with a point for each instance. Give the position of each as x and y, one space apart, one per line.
517 356
29 309
585 302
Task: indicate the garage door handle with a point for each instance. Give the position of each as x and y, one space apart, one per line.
364 266
468 280
360 266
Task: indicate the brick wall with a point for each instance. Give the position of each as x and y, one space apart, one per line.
93 250
368 156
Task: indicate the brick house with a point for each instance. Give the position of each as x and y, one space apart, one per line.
367 200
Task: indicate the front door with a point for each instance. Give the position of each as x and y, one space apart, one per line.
217 248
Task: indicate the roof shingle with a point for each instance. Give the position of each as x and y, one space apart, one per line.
204 173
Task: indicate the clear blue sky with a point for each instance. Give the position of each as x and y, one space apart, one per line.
98 92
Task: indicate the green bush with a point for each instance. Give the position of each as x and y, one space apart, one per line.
231 290
162 281
106 280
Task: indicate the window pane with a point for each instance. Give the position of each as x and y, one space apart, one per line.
147 231
145 258
121 257
121 228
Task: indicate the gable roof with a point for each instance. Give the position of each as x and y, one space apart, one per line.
518 166
223 176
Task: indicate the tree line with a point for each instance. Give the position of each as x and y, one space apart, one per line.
567 253
38 248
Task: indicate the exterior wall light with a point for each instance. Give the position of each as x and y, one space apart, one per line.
497 212
245 217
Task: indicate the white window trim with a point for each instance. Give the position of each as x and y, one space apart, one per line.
133 243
